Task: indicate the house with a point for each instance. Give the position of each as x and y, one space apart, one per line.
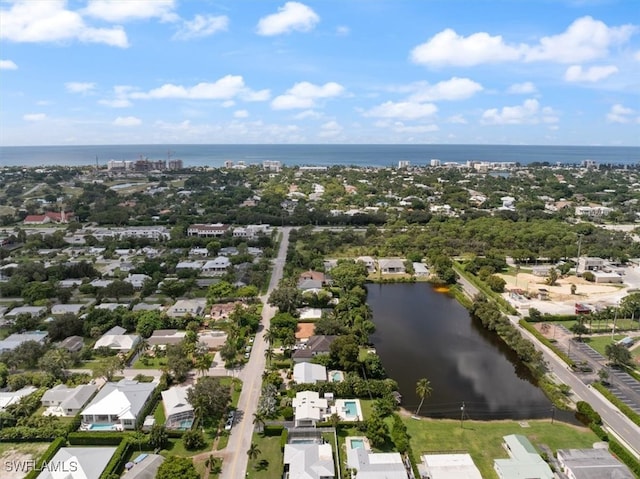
66 401
14 340
33 311
70 283
315 345
592 464
117 406
216 266
12 397
59 309
182 307
370 465
392 266
101 283
207 230
310 285
524 460
72 343
448 466
368 261
77 462
189 265
145 466
420 269
607 277
177 409
590 263
309 373
137 280
309 408
309 314
308 461
117 340
147 307
111 306
204 252
312 275
164 337
252 231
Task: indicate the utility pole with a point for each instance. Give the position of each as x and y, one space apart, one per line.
462 415
579 247
553 413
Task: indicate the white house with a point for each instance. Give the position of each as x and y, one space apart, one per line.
309 408
371 465
11 397
392 266
308 461
116 339
524 460
33 311
309 373
137 280
182 307
66 401
117 406
592 463
177 409
77 462
59 309
14 340
216 266
447 466
368 261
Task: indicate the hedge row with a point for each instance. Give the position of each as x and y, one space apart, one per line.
546 342
626 410
117 461
106 438
150 406
484 288
625 456
46 457
553 318
284 437
586 414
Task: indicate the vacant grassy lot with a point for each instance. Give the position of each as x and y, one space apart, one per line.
483 440
269 463
599 343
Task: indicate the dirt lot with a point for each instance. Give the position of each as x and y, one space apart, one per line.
561 301
304 330
19 454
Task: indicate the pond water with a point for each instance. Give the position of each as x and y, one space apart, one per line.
421 333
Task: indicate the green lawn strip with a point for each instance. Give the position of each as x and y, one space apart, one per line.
270 451
626 410
483 440
599 343
236 388
223 440
150 363
176 447
158 413
367 408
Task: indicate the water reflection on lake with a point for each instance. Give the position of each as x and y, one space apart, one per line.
422 333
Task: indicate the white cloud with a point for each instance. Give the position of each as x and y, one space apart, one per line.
79 87
116 103
404 110
202 26
36 21
127 121
305 94
225 88
585 39
575 73
241 114
182 126
8 65
457 119
528 112
525 88
303 115
122 11
342 30
400 127
34 117
453 89
619 114
228 103
636 56
330 129
293 16
449 48
260 95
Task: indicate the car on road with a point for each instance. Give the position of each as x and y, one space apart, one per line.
230 418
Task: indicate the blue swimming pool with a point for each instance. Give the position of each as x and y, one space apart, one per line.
336 376
102 427
185 424
357 444
351 408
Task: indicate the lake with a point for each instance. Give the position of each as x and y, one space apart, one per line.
423 333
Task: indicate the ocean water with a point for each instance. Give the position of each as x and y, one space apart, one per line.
356 155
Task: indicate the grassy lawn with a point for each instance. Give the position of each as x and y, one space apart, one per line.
150 363
158 413
176 447
269 451
236 388
483 440
599 343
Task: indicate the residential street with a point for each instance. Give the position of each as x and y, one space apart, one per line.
235 454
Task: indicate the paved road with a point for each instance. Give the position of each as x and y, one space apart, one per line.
617 422
235 462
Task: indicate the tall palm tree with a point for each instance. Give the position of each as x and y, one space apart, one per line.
254 451
203 363
259 421
268 354
423 390
268 336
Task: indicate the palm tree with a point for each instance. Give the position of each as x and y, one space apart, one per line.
259 421
423 390
254 451
268 336
268 354
203 363
61 358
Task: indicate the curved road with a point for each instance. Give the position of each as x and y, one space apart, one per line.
235 456
619 424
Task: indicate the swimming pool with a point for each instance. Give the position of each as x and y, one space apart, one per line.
351 408
357 443
185 424
337 376
103 427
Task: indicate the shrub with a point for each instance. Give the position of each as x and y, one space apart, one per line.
117 461
106 438
589 276
625 457
46 457
586 414
193 440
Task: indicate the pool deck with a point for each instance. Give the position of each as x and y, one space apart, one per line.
341 410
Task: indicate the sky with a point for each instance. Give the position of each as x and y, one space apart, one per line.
538 72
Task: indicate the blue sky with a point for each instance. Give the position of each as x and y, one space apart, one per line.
327 71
